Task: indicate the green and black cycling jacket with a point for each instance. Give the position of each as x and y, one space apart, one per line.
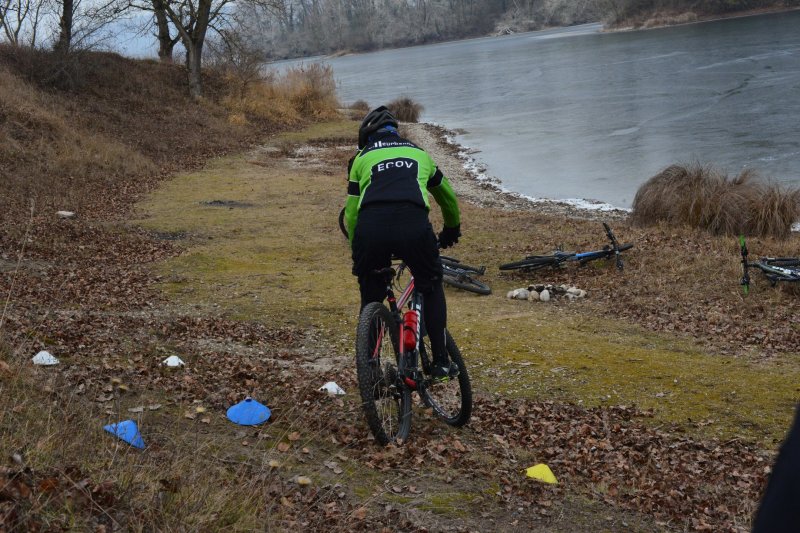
393 169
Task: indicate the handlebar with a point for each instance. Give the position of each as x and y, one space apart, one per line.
745 282
615 246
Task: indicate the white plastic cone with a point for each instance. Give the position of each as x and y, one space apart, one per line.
44 358
332 388
173 361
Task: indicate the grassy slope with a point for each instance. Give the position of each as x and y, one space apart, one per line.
283 260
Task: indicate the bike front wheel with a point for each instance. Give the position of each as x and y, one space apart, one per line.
451 401
385 400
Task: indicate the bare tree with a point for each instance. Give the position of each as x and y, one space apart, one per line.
20 20
234 53
81 23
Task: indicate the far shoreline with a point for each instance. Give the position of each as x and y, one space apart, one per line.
670 20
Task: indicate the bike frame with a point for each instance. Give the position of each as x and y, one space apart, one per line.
408 364
607 251
773 273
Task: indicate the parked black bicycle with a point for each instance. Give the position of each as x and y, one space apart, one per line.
558 257
390 346
775 269
454 272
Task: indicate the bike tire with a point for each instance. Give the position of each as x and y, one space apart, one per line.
455 263
342 226
385 400
532 263
451 401
784 262
467 283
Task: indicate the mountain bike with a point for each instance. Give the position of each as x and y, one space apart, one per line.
558 258
454 272
775 269
394 359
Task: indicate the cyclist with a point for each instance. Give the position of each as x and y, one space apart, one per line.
386 213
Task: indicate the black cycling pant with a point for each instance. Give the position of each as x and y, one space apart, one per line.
402 230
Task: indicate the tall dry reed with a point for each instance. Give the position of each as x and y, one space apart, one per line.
405 109
703 197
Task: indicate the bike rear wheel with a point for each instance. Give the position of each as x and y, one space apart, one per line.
450 401
465 282
385 400
532 263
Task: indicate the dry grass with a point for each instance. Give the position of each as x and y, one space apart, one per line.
405 109
702 197
49 160
302 94
75 131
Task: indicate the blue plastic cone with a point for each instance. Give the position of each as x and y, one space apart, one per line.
248 413
128 431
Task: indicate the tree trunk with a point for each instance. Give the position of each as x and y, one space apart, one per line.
194 57
166 43
193 36
65 27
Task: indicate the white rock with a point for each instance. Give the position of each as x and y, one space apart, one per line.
332 388
533 296
44 358
521 294
173 361
65 214
544 295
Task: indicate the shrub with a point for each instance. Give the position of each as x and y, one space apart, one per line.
702 197
361 106
302 93
405 109
312 90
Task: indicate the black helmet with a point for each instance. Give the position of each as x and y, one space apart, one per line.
376 119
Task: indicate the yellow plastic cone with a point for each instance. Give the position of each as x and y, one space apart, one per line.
542 472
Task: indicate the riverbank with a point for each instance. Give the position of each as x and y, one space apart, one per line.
662 19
